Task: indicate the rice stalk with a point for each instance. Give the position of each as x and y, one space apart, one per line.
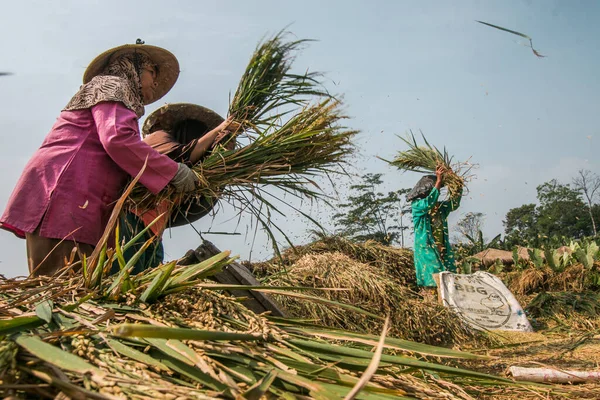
267 84
564 304
537 53
427 158
395 263
293 133
165 336
288 158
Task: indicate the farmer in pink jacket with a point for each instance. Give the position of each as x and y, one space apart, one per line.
68 189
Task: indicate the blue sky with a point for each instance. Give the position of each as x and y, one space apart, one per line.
400 64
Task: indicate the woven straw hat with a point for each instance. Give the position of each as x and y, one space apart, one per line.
168 66
167 116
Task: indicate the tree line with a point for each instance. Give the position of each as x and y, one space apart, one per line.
563 212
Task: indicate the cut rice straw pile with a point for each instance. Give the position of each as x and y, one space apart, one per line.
166 334
392 261
370 289
428 158
59 339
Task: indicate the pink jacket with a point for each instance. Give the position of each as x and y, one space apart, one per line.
69 187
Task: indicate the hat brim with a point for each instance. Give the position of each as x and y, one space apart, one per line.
168 66
167 116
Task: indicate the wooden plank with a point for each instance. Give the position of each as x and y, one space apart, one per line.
237 274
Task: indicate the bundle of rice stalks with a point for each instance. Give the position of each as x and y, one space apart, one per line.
428 158
60 340
577 278
293 132
267 84
374 290
395 262
574 278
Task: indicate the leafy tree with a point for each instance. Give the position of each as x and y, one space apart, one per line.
520 225
596 213
561 212
371 214
561 215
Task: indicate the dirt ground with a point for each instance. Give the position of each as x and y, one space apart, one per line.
579 351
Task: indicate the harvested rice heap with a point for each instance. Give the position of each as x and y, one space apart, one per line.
397 262
167 334
375 278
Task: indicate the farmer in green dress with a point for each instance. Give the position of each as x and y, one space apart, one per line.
432 251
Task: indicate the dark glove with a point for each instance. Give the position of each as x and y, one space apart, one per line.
185 179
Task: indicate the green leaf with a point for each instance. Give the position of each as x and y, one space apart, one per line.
373 365
136 355
154 290
553 259
592 250
74 306
118 249
258 390
258 288
390 343
505 30
321 300
515 33
162 345
194 271
515 255
536 257
189 371
326 348
317 390
137 237
369 395
19 324
112 291
98 269
184 360
494 242
69 389
44 310
583 257
55 356
152 331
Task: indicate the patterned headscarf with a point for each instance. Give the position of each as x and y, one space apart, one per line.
120 81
